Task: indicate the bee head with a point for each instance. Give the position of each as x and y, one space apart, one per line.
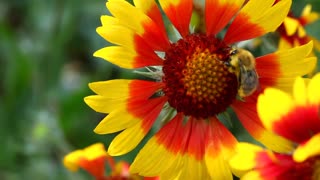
233 51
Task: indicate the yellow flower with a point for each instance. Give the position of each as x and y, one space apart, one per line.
193 80
295 117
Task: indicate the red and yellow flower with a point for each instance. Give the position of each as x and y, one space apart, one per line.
295 117
93 159
191 83
292 31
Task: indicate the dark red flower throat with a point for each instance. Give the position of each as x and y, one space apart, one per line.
197 78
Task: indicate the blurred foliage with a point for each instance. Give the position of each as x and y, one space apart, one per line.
46 63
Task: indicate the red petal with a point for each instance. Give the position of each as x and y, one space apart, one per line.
184 138
218 14
300 124
247 114
219 136
145 53
94 167
242 29
179 13
150 111
143 89
155 36
268 69
282 166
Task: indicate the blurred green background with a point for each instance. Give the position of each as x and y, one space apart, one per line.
46 63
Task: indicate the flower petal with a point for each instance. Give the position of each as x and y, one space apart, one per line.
136 48
284 43
253 175
280 69
113 94
279 166
104 104
299 124
127 38
199 169
111 123
269 70
182 148
118 55
131 102
145 112
247 114
313 90
135 19
91 158
291 25
179 12
127 140
124 88
220 146
128 58
162 158
195 151
257 18
272 105
254 163
150 8
308 17
70 161
307 150
130 114
218 14
244 158
300 91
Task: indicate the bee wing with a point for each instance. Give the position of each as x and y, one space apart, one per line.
249 80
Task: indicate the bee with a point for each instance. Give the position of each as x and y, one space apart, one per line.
243 63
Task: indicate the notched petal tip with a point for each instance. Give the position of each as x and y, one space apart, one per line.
126 141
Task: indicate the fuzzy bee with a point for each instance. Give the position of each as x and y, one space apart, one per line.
243 63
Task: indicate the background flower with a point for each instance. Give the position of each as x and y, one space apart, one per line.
96 161
292 31
295 117
92 159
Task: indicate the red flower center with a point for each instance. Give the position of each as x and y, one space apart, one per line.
197 79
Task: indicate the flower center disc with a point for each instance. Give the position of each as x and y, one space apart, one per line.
197 80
